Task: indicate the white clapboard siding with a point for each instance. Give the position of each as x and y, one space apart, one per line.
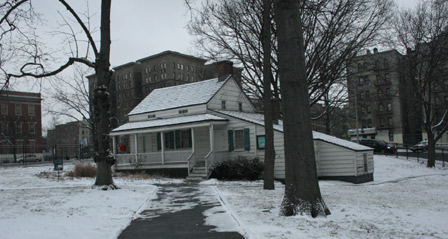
232 94
360 163
334 160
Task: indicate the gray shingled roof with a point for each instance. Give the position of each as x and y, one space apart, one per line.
179 96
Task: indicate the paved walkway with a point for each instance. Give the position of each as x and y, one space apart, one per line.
177 212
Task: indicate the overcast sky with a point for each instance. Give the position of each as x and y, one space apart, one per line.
139 28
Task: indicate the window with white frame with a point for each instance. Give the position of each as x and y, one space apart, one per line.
18 128
223 104
31 110
4 128
18 109
31 128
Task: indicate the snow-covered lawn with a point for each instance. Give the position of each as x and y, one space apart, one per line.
406 200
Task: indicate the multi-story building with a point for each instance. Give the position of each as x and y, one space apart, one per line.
378 83
71 139
21 123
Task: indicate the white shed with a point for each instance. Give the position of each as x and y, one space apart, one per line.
193 126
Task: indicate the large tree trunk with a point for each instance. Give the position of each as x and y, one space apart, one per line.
103 156
302 193
269 153
431 150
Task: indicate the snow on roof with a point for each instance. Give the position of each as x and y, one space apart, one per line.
179 96
166 122
259 119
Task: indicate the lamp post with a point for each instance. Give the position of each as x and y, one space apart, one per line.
356 112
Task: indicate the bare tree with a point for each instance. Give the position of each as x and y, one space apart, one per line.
424 33
72 97
334 31
20 44
302 193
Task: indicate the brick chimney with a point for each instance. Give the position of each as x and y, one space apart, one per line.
224 68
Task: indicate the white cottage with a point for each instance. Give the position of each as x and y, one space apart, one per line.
193 126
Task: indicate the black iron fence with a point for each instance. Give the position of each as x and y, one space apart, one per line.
21 153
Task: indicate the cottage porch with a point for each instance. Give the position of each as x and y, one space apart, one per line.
195 147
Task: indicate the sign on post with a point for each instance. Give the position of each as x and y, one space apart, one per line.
58 164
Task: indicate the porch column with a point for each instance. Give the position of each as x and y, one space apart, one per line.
212 138
136 148
192 140
162 143
114 145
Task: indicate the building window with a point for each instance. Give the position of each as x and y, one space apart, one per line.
381 122
188 78
174 75
388 91
386 77
377 64
239 139
369 109
367 82
32 146
380 94
391 136
31 110
389 106
5 128
188 68
380 107
4 109
18 128
362 95
31 128
223 104
18 109
240 106
386 63
359 67
361 81
378 79
182 67
389 121
369 123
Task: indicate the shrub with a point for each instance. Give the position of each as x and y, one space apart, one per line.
239 169
5 161
86 170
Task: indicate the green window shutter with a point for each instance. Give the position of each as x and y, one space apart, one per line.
177 137
230 139
171 139
246 139
159 144
191 140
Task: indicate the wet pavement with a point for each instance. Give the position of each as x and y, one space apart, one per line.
178 212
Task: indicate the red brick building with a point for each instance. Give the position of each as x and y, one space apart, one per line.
21 123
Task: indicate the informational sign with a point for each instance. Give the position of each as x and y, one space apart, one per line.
58 164
261 140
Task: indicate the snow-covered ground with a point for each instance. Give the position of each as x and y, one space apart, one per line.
406 200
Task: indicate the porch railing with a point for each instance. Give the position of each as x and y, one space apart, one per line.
177 156
150 158
125 159
191 161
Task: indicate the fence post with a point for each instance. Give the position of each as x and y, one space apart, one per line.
407 155
418 156
443 158
396 150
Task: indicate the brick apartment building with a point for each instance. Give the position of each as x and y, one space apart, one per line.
21 124
382 91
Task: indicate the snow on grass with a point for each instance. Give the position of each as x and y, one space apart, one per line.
406 200
34 207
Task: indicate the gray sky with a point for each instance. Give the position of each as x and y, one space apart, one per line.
139 28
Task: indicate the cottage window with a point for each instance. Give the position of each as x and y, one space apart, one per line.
31 110
179 139
18 109
183 111
239 139
223 104
151 116
4 109
240 106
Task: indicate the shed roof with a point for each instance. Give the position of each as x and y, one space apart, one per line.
179 96
259 119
